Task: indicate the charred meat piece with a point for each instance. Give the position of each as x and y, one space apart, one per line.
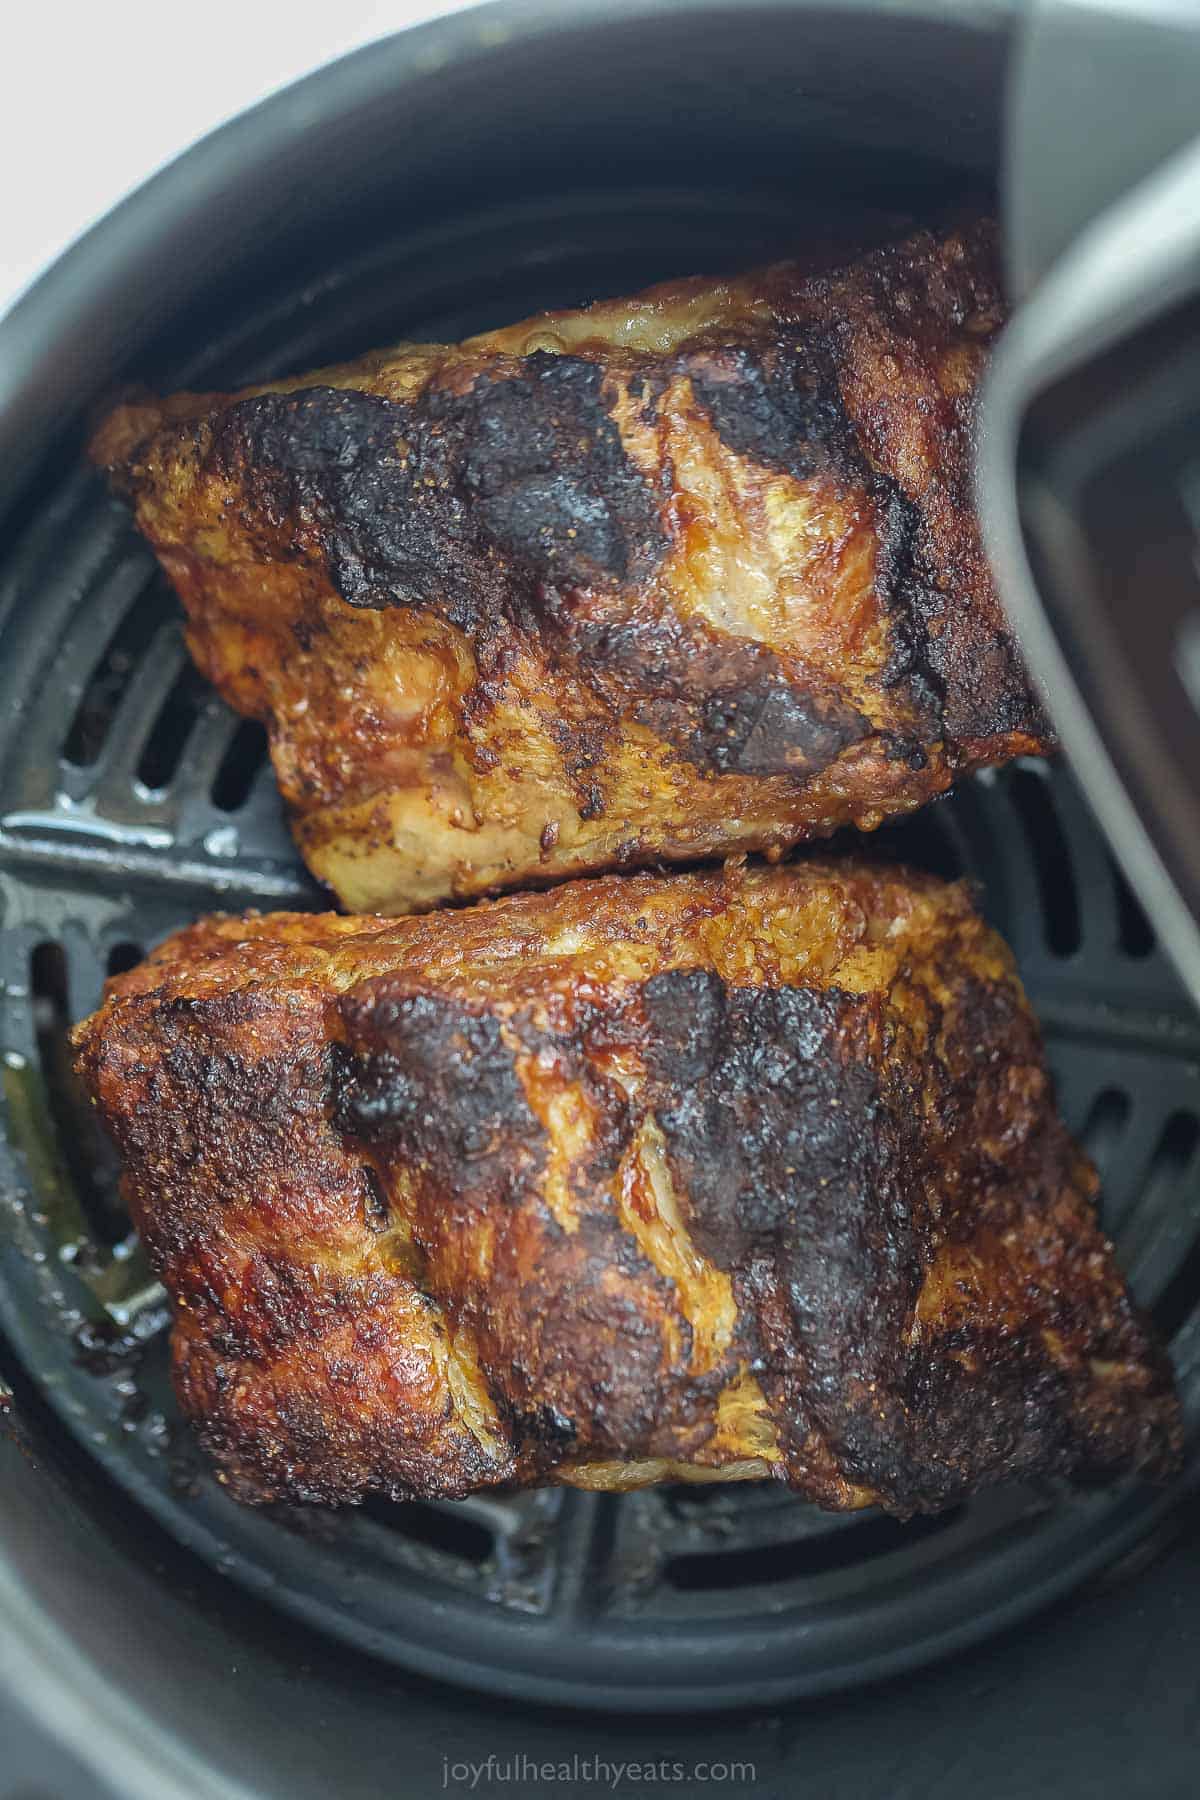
702 1177
662 578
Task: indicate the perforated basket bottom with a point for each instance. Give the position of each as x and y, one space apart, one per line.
132 799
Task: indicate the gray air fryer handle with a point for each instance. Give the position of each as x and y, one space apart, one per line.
1104 92
1089 470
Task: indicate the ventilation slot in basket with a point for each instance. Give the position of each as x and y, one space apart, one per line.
1172 1157
240 765
163 749
87 1156
122 957
807 1556
452 1533
1051 860
1176 1304
106 686
1106 1120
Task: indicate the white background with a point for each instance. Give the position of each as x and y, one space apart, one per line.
97 94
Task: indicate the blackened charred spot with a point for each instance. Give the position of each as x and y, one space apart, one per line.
685 1010
952 655
795 1175
981 1427
201 1054
905 750
910 607
955 659
762 1095
771 727
432 1081
467 501
369 491
546 466
540 1427
727 705
780 405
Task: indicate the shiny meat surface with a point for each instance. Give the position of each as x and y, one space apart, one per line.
667 577
705 1176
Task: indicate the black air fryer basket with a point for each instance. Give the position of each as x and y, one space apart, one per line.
451 179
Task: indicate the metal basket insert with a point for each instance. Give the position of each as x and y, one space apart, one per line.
132 799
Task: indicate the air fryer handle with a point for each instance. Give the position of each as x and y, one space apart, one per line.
1104 91
1089 478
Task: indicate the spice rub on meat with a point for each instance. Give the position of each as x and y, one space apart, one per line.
658 579
703 1176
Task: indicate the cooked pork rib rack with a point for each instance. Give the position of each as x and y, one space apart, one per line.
705 1177
658 579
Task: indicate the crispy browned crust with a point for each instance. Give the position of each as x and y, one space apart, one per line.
703 1176
661 578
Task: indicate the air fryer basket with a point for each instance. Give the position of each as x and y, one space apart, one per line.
131 799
